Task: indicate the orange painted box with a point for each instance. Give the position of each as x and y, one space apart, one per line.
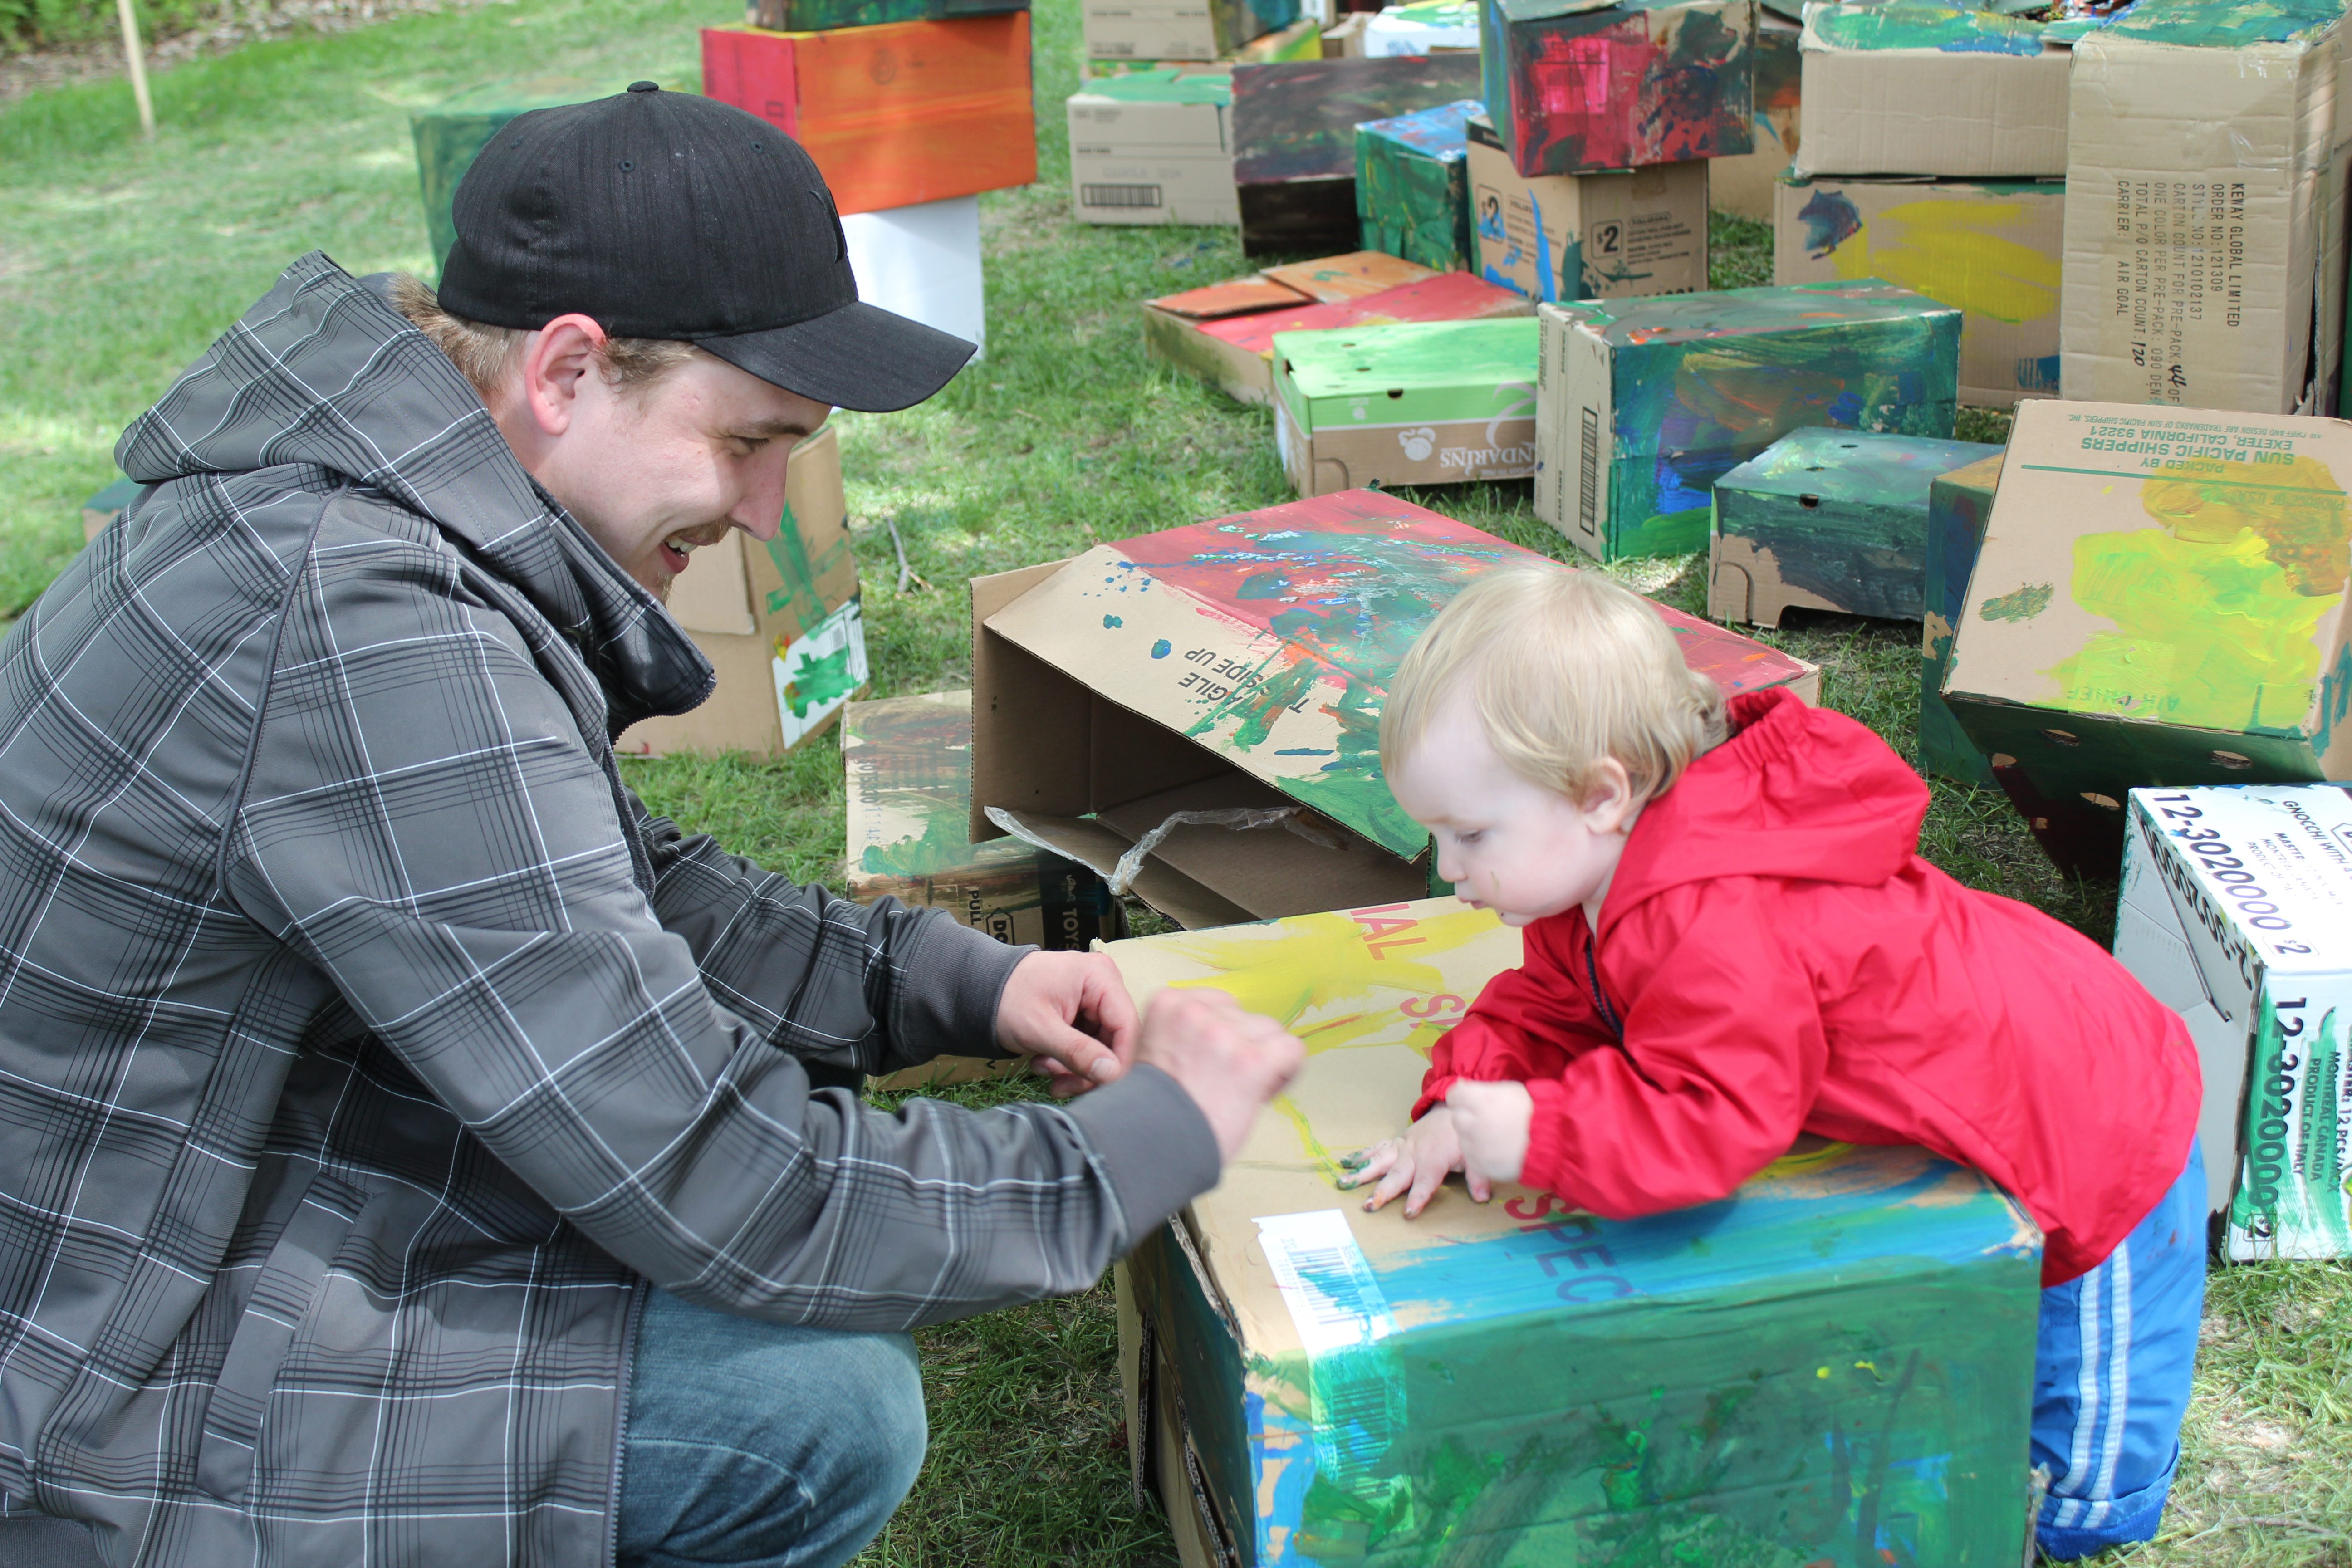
893 114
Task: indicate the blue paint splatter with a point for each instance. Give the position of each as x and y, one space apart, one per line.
1263 585
1112 623
1160 650
1829 220
1305 752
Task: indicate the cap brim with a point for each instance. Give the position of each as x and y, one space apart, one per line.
859 357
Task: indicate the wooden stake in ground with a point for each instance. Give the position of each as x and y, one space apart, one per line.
138 62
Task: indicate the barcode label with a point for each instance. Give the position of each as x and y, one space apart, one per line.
1119 195
1588 478
1325 1281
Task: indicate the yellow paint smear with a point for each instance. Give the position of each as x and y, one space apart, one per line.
1957 254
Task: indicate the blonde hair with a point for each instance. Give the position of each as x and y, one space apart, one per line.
482 354
1565 668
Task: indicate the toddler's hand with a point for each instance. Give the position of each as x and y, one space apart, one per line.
1416 1164
1490 1121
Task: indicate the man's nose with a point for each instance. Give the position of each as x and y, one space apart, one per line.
761 513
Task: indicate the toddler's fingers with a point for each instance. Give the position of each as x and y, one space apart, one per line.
1425 1181
1397 1177
1481 1189
1365 1163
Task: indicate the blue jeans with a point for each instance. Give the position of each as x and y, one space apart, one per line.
2111 1378
761 1445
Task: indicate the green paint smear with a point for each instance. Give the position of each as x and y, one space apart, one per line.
1167 84
2228 24
1410 204
819 681
2021 605
2292 1191
1914 27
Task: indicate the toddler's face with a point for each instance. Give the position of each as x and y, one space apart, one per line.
1506 843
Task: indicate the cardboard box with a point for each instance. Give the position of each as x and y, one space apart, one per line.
450 134
1644 403
1238 664
1742 184
823 15
780 621
1295 140
1841 1352
107 505
1302 40
1178 29
1428 403
1960 506
909 796
1587 237
2237 914
896 115
1990 249
2204 262
1154 147
1575 86
1424 27
1411 191
1929 89
1234 353
1828 520
923 262
2158 601
1344 39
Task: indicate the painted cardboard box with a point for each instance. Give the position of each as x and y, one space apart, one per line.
1931 90
451 133
909 797
1828 520
823 15
1154 147
1237 667
780 621
1587 237
1427 404
1412 185
1960 508
1989 249
1581 85
1644 403
2237 913
1178 29
1833 1366
2205 210
1742 184
1295 140
1424 27
2158 601
896 115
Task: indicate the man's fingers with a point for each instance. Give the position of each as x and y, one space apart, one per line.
1081 1055
1106 1001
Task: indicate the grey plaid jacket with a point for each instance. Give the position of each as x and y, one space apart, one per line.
364 1044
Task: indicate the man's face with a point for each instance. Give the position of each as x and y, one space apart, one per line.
656 471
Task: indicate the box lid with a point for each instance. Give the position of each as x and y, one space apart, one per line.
1234 297
2272 862
1420 370
1853 466
2228 24
1732 313
2179 568
1349 277
1164 84
1437 133
1268 638
1871 28
1448 296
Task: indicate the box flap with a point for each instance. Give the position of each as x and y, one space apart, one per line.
1486 359
1333 279
1234 297
1858 466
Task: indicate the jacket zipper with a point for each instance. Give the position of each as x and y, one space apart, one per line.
1600 997
631 1321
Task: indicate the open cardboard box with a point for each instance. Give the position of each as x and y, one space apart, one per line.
1238 664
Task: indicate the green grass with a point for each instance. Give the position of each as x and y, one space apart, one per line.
119 261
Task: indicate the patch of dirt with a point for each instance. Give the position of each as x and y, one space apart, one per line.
236 23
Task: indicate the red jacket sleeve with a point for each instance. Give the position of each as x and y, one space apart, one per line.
1723 1055
1526 1024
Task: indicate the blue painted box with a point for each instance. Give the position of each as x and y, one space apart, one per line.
1833 1366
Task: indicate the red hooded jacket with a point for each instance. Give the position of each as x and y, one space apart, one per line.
1773 959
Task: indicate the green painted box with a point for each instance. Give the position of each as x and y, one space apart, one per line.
1426 402
1832 1368
2160 600
1828 520
451 133
1413 185
1960 505
824 15
1646 401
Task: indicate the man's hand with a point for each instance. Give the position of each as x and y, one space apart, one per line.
1416 1164
1491 1119
1229 1061
1070 1014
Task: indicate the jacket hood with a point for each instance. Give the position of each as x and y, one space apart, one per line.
324 371
1796 792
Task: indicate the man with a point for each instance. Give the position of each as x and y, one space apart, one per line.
406 1154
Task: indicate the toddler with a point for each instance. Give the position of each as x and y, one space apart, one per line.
1730 942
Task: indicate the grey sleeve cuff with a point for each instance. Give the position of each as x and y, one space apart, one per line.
945 999
1153 1144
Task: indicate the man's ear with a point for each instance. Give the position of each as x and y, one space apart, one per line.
557 360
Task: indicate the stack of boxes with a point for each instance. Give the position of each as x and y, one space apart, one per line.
908 120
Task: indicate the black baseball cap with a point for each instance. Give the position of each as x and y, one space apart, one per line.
664 215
